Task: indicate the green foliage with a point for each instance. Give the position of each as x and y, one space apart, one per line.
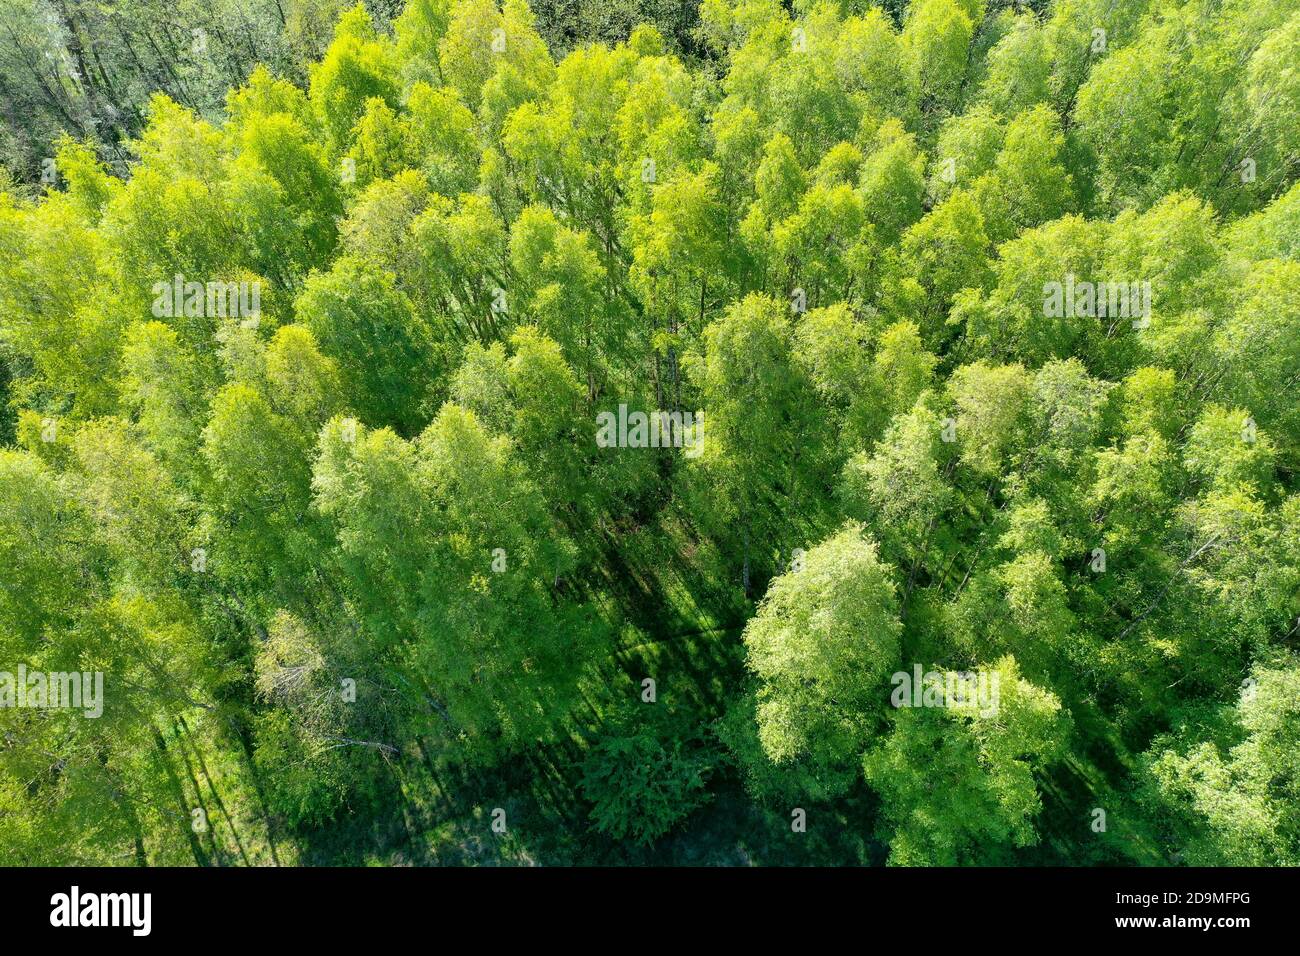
307 341
1230 800
644 776
977 792
819 648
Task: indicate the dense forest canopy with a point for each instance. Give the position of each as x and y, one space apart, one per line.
828 432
